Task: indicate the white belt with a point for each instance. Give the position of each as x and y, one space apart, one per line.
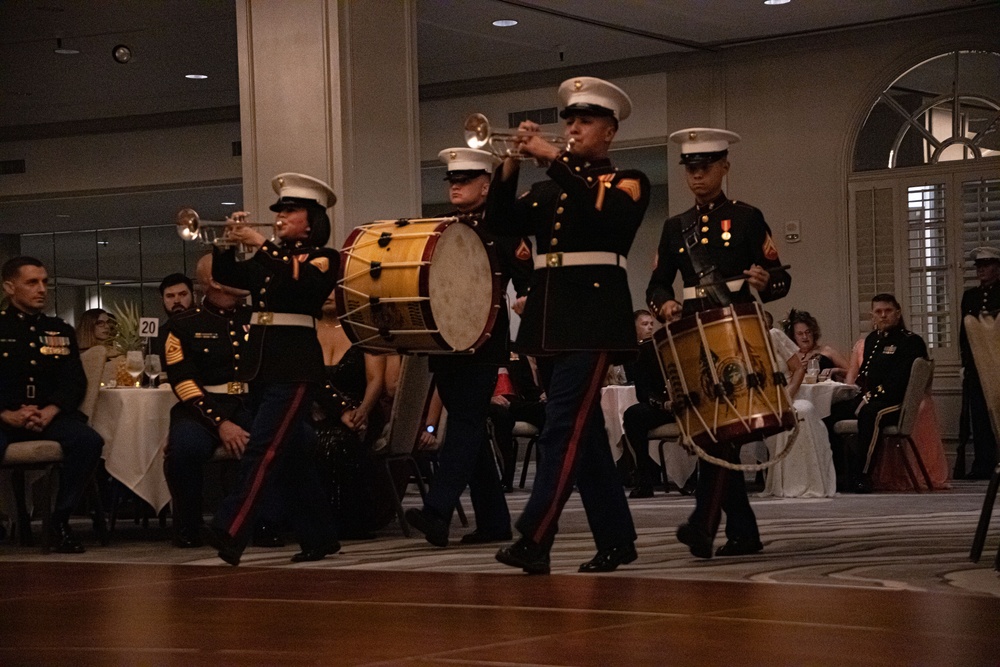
701 292
228 388
556 259
283 320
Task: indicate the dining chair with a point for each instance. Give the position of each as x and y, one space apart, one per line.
900 435
530 432
984 339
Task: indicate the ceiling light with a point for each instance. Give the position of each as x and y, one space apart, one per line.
121 53
195 76
776 2
64 50
505 23
228 203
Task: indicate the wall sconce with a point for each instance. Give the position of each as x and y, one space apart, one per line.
121 53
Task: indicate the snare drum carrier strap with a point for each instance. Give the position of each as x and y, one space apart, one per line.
703 267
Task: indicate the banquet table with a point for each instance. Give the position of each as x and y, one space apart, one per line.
134 424
807 471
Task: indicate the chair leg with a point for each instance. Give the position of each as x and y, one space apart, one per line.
527 459
979 541
23 518
50 472
907 466
400 516
920 463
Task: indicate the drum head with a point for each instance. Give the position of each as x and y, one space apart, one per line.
461 286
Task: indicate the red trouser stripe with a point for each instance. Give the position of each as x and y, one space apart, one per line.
563 486
266 461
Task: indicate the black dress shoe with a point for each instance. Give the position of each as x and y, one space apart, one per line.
224 544
186 539
267 537
63 540
525 554
435 530
309 554
476 537
743 546
608 560
697 542
862 485
641 492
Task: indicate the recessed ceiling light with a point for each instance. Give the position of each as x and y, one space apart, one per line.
64 50
62 215
195 76
229 203
776 2
121 53
505 23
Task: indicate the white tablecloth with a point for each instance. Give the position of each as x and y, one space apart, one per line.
807 471
134 424
615 400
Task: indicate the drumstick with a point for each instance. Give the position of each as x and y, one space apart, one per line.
717 283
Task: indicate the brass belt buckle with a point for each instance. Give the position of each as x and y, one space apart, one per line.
553 259
265 318
234 387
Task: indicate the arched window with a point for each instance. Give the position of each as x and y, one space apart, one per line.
925 189
946 108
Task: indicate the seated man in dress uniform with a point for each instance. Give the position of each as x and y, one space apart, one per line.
41 387
177 292
203 348
889 352
516 398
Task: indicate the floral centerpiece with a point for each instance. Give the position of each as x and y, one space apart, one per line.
126 338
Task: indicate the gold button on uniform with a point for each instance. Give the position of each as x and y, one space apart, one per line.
558 225
704 241
559 210
704 229
704 218
563 196
555 241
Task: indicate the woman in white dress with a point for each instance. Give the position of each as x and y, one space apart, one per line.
807 471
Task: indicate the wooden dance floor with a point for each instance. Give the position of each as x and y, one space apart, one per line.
74 613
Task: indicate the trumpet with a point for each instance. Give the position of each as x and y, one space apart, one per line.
191 227
478 135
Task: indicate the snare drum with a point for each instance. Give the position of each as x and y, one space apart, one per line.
721 374
422 285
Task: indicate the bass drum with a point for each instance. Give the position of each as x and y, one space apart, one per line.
722 378
426 285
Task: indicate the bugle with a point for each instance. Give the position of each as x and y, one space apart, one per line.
191 227
479 135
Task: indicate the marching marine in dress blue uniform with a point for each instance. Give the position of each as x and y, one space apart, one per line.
41 387
983 298
717 239
584 220
288 279
465 382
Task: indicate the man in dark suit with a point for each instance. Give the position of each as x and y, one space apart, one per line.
465 382
289 279
984 298
41 387
584 219
717 239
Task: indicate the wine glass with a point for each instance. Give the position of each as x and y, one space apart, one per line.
152 368
134 365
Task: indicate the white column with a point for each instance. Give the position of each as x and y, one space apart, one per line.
329 89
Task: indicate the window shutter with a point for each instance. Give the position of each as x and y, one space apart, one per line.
874 254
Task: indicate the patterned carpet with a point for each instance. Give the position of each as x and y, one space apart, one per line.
916 542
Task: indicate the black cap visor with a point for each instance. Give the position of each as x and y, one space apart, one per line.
703 158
